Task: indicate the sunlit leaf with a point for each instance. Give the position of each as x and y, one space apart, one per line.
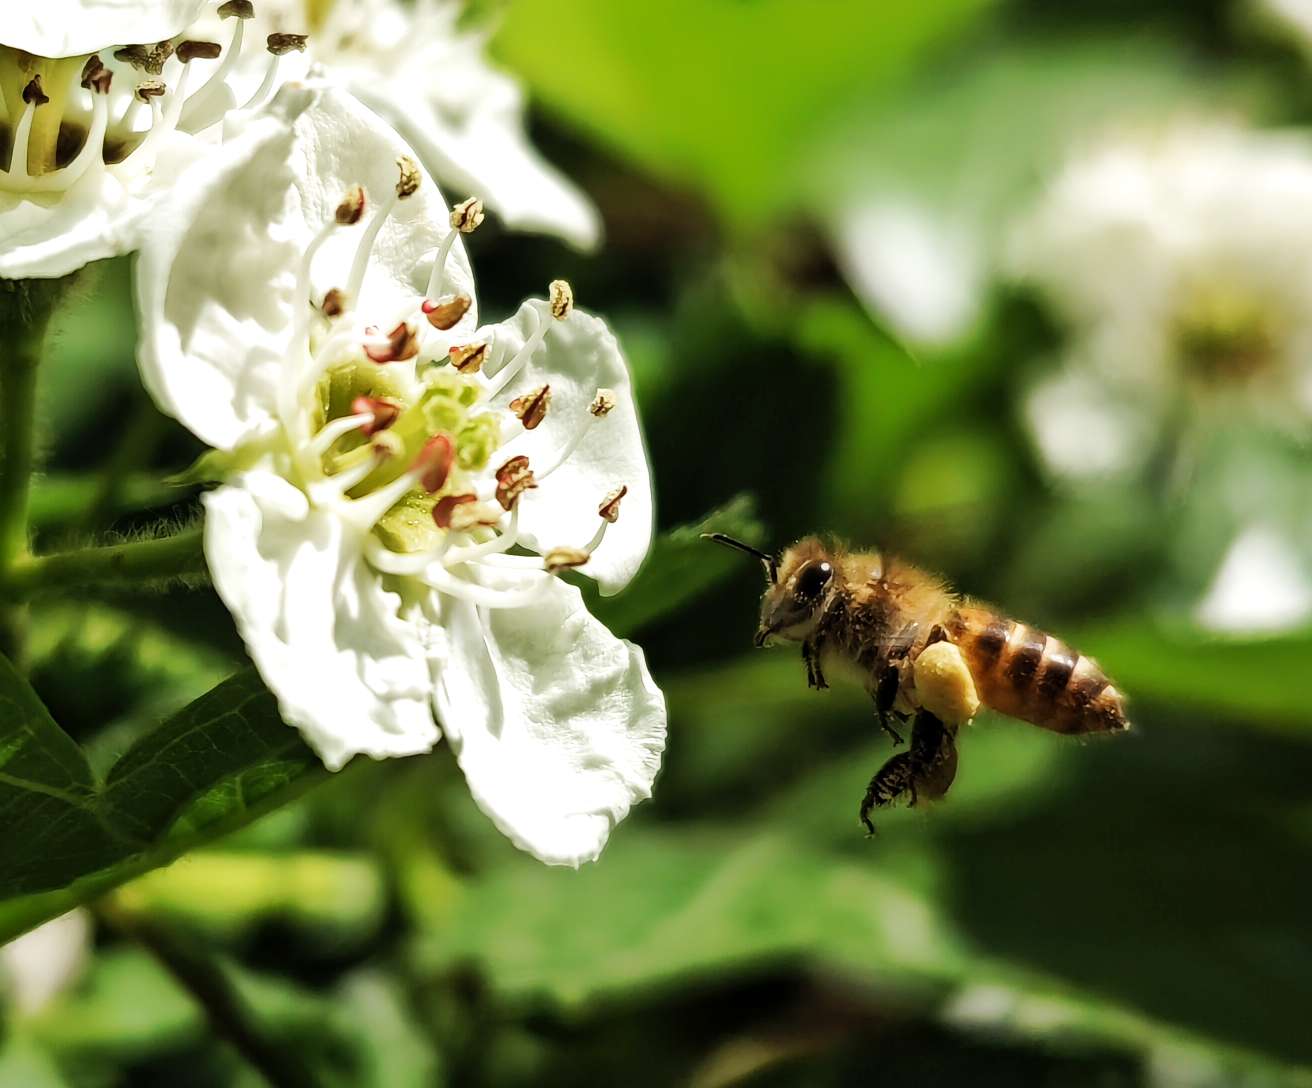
721 94
71 838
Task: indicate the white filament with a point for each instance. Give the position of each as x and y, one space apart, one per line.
383 559
330 432
265 89
437 276
367 509
439 578
193 119
507 373
329 489
502 542
165 120
366 245
18 156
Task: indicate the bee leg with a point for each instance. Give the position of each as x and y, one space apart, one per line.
811 656
934 755
891 781
925 770
885 697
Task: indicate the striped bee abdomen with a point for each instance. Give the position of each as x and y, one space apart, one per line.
1027 674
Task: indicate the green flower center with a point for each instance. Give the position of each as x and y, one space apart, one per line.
448 405
1225 337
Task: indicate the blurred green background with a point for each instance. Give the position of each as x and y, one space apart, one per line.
1135 912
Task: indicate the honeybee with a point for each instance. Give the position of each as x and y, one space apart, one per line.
922 652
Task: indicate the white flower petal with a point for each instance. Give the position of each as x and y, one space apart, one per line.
1083 429
579 356
347 670
53 234
1262 587
68 28
213 285
488 155
919 271
40 965
217 273
429 76
555 721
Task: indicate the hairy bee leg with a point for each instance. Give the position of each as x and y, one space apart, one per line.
934 755
927 769
885 697
815 678
890 782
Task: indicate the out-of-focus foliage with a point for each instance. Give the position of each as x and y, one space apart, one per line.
1128 912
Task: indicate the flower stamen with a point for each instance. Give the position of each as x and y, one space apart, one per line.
531 408
513 479
331 431
468 358
402 343
407 174
434 463
509 370
609 510
382 413
561 299
193 120
445 313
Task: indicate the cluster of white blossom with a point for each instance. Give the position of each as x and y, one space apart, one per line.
1174 260
398 484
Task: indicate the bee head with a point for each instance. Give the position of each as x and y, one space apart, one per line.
800 584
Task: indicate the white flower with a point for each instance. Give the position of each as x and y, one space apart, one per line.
1292 16
41 964
417 67
919 270
100 126
308 313
1262 586
1181 262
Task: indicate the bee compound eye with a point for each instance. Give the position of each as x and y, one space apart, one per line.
812 581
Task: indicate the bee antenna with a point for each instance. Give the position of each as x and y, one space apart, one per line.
771 564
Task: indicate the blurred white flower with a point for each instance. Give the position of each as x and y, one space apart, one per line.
314 316
41 964
99 127
1293 16
429 76
913 266
1261 588
1181 263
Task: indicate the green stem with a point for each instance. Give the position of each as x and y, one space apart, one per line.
175 556
25 309
229 1014
18 402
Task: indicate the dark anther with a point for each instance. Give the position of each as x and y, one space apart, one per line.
279 44
34 94
189 51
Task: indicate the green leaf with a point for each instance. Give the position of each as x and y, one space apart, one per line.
218 764
1257 682
339 897
887 399
680 568
53 829
664 910
724 95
